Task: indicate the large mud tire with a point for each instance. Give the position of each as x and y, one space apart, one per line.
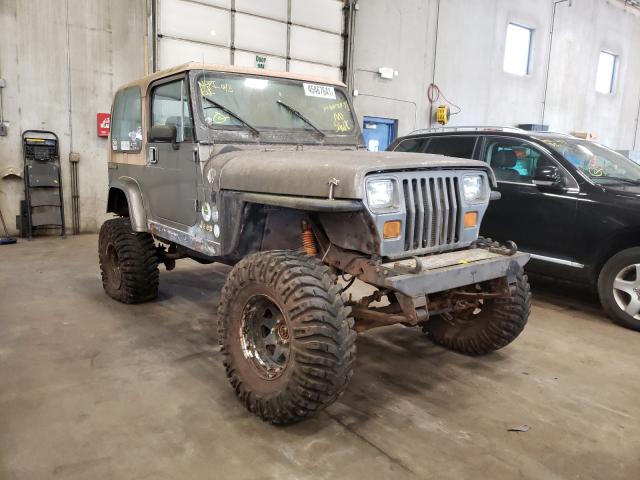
299 358
497 325
128 262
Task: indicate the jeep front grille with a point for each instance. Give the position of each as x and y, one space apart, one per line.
433 213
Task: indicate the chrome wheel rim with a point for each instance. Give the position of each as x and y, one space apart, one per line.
626 290
264 335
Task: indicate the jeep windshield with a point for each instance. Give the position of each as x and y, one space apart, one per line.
597 162
273 109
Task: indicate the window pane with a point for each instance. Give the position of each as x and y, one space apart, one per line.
606 72
170 106
514 161
268 104
517 50
461 147
126 122
410 145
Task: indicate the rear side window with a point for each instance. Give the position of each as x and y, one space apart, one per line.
411 145
126 121
461 147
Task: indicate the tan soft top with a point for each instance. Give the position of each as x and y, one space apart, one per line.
144 82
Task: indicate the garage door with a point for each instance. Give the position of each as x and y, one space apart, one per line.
293 35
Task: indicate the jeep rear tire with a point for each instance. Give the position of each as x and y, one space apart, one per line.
128 262
619 288
286 335
497 324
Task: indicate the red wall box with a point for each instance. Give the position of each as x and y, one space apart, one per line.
104 122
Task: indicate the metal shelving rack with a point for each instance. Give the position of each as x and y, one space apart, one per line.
42 181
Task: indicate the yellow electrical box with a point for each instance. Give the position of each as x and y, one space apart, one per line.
443 114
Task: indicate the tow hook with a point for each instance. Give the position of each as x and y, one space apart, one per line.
418 266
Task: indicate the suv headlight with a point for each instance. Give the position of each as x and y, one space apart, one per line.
381 194
473 188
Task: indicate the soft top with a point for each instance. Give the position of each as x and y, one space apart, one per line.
144 82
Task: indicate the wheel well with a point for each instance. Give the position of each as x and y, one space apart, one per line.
117 202
627 239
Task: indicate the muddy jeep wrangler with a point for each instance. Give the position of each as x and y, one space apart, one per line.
265 172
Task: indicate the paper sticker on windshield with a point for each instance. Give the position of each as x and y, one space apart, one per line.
322 91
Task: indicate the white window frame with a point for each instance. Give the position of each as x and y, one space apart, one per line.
509 63
609 77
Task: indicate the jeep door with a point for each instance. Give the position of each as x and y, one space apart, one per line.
540 219
171 180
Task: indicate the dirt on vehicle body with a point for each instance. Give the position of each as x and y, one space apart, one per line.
265 171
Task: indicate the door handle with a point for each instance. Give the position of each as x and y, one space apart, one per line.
152 156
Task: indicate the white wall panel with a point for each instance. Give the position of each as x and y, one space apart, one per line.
217 3
248 59
193 21
202 28
316 46
324 14
255 33
314 69
268 8
175 52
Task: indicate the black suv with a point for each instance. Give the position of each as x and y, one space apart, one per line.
573 204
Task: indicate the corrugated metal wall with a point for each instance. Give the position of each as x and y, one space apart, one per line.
294 35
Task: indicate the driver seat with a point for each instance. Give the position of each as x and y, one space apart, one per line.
502 163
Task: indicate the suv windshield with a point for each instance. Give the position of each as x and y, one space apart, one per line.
231 102
597 162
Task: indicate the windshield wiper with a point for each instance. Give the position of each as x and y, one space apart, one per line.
233 114
301 117
620 179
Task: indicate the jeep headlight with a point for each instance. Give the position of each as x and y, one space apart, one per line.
473 188
381 194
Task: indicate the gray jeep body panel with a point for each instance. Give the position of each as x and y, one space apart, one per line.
307 173
131 190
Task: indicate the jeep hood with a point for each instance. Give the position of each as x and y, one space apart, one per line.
307 173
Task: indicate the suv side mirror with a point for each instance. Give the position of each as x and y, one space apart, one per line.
163 133
548 176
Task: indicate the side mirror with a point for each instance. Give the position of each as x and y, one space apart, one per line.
163 133
548 176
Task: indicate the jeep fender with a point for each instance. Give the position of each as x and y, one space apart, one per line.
131 190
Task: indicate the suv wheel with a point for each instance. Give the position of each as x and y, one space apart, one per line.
496 325
286 335
128 262
619 288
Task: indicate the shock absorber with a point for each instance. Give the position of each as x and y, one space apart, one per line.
309 240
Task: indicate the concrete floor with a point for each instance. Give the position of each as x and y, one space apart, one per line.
92 389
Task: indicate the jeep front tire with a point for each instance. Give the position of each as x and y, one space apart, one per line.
286 336
128 262
495 325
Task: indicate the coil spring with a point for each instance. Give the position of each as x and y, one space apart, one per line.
309 241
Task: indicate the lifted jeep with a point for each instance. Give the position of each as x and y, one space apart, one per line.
265 171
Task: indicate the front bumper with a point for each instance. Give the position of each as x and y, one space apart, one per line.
446 271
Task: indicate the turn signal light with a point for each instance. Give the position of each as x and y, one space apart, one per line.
391 229
470 219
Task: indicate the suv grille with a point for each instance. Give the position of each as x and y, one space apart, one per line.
432 205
